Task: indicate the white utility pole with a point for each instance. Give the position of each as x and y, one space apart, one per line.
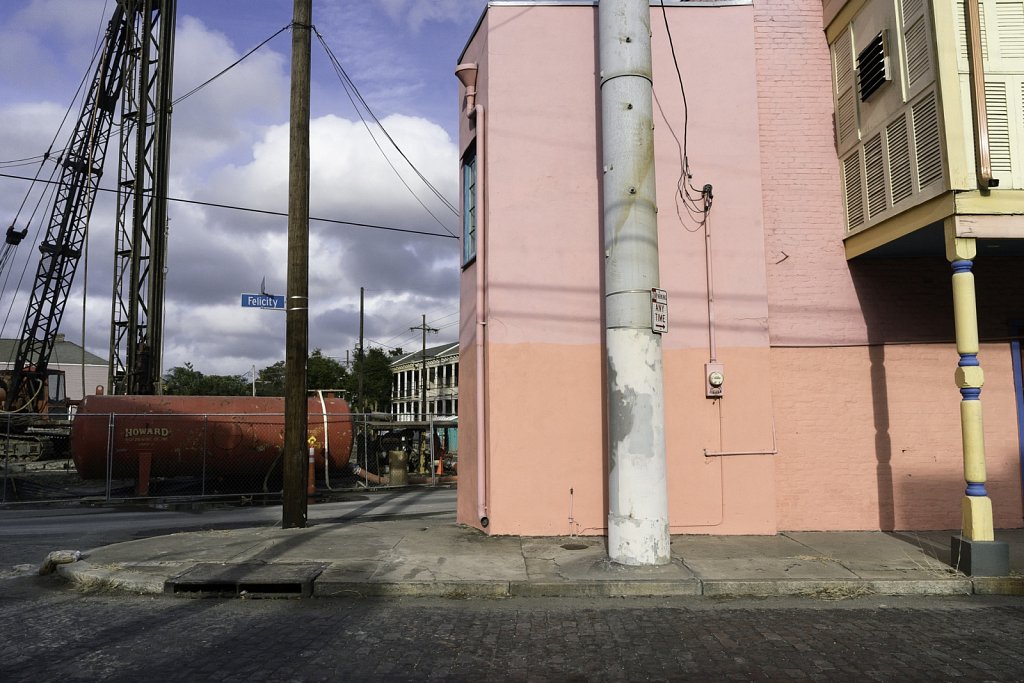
638 528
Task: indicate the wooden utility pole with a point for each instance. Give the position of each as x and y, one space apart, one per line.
423 369
296 468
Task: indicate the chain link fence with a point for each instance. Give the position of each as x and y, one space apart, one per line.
146 456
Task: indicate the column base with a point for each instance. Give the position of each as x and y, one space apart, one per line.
979 558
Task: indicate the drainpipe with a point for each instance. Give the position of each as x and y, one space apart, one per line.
638 526
467 74
979 109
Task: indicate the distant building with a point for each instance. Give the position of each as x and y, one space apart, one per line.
72 359
442 378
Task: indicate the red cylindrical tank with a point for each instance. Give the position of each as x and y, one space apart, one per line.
198 435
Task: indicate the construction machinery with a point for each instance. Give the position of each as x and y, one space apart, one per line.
133 70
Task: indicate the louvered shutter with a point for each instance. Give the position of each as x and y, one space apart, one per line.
917 50
853 191
844 91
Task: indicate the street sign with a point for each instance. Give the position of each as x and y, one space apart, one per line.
659 310
262 301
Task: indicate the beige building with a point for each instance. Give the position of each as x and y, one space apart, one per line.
77 364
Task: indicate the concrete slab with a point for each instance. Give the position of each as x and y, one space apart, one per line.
768 568
725 547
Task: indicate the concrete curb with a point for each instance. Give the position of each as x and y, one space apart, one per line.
833 589
132 580
143 579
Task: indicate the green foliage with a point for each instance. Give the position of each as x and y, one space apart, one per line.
270 380
376 376
322 372
187 381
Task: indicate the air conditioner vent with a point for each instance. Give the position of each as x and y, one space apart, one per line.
873 67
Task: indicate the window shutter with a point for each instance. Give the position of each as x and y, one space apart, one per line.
846 101
874 174
853 191
961 25
898 148
916 45
998 126
1010 23
926 141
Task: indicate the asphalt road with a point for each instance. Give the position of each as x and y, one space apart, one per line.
54 631
27 534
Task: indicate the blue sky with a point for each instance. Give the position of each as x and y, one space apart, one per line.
229 146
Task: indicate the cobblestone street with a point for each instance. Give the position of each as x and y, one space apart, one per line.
54 632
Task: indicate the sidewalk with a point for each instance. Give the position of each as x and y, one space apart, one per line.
441 559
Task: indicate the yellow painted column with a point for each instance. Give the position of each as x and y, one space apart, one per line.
976 506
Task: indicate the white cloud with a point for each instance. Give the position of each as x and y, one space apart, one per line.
229 146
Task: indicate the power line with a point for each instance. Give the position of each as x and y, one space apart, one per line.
234 207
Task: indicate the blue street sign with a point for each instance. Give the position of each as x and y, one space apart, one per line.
262 301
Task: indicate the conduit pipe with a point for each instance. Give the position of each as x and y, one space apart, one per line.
979 108
467 75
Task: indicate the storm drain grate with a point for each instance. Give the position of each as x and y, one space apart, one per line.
246 580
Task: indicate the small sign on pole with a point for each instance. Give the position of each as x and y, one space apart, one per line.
659 310
263 301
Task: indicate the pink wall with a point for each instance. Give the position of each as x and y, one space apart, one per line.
544 329
867 437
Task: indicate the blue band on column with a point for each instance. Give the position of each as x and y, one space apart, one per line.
975 489
962 266
970 393
969 359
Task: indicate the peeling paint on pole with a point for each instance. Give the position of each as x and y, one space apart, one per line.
638 531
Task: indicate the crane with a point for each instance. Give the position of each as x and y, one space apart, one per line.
134 69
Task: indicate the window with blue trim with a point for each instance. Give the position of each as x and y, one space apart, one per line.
469 206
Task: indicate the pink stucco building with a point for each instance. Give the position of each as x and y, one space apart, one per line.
839 408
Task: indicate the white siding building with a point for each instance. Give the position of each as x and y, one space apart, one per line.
442 383
72 359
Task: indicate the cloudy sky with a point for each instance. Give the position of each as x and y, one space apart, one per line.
229 146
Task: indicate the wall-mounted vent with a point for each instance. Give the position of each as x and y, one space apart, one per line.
854 191
873 67
926 141
874 174
897 144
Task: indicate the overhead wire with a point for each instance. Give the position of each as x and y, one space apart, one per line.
699 202
269 212
353 94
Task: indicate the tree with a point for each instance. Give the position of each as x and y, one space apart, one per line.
187 381
376 369
322 372
270 380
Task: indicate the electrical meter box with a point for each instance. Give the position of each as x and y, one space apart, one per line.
714 379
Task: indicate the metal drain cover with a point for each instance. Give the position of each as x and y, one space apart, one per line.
249 580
